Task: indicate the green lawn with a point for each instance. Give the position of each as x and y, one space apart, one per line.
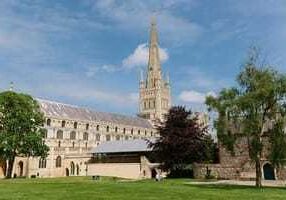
85 188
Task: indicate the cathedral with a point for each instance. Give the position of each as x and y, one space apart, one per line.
72 132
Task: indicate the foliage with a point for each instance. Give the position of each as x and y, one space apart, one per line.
278 142
253 109
20 133
182 141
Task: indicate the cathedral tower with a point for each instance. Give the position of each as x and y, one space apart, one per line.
155 95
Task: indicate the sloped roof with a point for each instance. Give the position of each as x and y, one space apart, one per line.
60 110
122 146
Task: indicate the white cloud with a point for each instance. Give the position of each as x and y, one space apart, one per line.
93 70
192 96
140 57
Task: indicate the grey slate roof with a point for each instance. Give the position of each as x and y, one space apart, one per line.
60 110
122 146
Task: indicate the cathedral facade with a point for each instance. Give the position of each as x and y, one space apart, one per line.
71 132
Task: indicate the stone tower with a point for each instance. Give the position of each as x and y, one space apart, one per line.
155 95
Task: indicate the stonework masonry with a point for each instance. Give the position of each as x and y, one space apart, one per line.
239 166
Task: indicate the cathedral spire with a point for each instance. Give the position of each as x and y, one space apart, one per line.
154 57
154 95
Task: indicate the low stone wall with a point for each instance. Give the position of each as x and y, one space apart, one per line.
122 170
217 171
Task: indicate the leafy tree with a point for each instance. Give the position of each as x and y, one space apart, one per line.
20 132
182 141
255 109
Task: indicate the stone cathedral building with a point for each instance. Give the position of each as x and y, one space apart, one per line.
72 132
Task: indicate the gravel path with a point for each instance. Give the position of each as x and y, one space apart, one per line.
277 183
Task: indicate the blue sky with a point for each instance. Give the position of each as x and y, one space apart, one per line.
89 52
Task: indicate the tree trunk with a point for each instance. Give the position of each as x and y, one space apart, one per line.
258 173
10 167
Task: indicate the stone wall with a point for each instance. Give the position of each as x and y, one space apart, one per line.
217 171
237 165
123 170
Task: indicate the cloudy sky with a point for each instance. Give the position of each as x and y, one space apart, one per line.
90 52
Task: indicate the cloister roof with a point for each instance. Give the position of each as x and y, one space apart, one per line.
122 146
61 110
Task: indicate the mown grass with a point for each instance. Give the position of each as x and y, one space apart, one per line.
85 188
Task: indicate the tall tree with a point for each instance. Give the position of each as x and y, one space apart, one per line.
182 140
20 128
255 109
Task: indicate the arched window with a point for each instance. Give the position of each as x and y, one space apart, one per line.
42 163
85 136
72 144
58 161
124 130
48 122
138 132
108 138
59 144
97 137
73 135
116 129
145 132
60 134
77 169
117 137
72 168
75 125
151 133
86 126
107 129
63 123
131 131
97 127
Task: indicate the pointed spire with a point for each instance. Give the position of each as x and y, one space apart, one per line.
154 58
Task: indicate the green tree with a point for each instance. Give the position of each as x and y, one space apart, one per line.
255 109
182 141
20 128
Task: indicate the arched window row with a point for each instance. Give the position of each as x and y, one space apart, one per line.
108 129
